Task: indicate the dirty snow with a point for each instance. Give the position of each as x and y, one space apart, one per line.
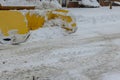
92 53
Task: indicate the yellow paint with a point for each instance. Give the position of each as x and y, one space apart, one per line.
12 20
62 10
52 15
68 19
74 25
35 21
63 16
66 28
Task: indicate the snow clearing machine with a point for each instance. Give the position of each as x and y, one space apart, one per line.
16 24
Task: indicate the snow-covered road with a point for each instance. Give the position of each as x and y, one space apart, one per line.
92 53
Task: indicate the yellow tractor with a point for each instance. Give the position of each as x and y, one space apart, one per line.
15 25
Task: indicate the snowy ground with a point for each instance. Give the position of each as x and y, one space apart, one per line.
92 53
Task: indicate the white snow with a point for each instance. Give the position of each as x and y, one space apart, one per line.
46 33
15 3
111 76
38 4
90 3
116 2
92 53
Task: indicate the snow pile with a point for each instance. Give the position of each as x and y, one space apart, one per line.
90 3
116 2
16 3
39 4
49 4
46 33
51 30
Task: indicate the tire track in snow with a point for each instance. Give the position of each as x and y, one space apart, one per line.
36 47
65 42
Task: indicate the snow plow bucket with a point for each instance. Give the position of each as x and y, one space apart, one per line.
13 27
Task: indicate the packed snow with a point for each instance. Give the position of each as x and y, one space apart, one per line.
92 53
110 76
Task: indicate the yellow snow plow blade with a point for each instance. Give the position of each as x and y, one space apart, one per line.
12 20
